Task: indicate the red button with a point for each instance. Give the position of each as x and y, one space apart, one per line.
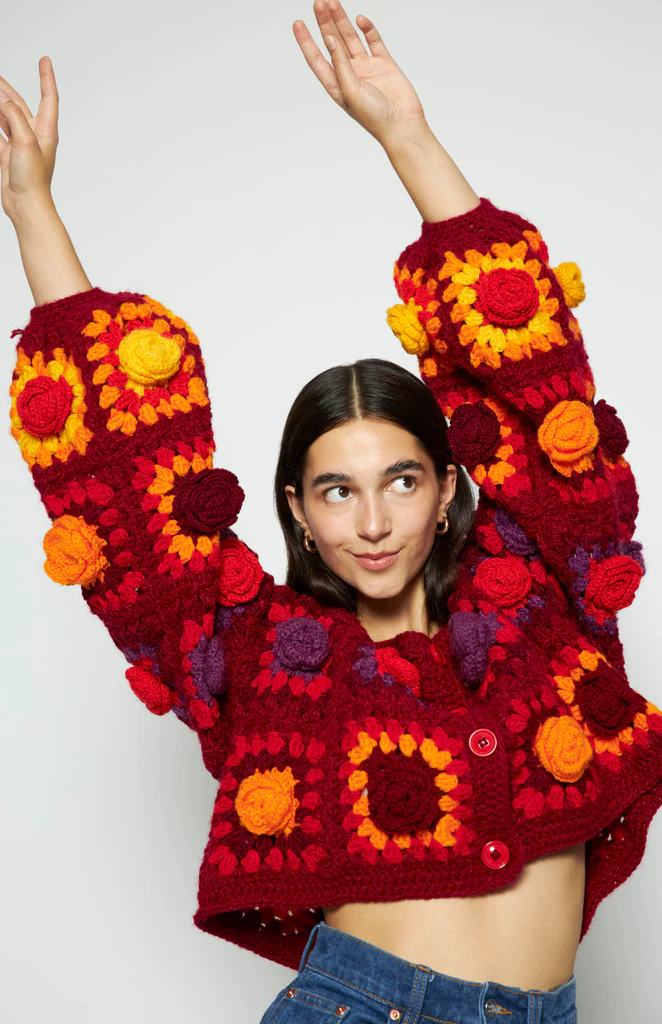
483 742
495 854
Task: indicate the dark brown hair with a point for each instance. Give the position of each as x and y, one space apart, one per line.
379 388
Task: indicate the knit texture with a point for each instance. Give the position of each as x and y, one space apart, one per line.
347 769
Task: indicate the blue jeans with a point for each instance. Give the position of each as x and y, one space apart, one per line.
344 979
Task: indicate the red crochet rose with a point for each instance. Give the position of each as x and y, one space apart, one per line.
44 404
613 436
506 581
606 700
389 661
508 297
209 500
158 698
240 573
612 583
474 433
402 797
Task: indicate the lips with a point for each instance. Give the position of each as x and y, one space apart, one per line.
378 560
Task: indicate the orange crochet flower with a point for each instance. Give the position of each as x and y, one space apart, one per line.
142 364
74 552
562 747
568 434
265 802
502 303
48 408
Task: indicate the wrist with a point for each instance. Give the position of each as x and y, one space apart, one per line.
30 212
408 136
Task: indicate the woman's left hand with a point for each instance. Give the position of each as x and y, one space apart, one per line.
367 83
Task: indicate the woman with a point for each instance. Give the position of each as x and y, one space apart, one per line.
431 765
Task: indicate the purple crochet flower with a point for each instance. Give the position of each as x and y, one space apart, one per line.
472 635
208 666
301 646
512 534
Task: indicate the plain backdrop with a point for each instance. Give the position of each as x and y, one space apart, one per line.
200 162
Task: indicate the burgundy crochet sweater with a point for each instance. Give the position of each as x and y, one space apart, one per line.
351 770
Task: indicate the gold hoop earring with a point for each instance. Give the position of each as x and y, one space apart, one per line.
441 532
309 544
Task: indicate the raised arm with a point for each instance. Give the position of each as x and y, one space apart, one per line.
109 407
491 324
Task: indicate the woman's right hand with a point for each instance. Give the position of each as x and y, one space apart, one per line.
27 155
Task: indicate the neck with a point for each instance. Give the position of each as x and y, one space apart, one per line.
386 617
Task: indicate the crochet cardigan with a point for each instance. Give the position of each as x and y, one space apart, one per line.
347 769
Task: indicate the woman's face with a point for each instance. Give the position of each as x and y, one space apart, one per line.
371 501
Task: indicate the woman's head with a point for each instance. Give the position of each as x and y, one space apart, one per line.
365 469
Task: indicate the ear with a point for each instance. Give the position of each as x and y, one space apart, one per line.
447 490
296 507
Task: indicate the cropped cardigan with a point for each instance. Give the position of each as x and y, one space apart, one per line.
347 769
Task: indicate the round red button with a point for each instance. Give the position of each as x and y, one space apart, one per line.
482 742
495 854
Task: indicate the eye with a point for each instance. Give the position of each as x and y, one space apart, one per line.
336 495
407 484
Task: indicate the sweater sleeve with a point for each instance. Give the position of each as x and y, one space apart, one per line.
110 410
491 323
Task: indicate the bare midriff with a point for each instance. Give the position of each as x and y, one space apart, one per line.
525 935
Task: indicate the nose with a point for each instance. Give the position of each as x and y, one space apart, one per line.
373 521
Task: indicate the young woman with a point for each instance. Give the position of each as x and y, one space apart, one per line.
432 767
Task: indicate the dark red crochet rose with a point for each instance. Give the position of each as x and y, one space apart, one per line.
613 436
507 297
402 796
612 583
474 433
44 405
607 701
240 573
209 500
505 580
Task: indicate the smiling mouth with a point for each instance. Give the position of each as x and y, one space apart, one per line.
377 561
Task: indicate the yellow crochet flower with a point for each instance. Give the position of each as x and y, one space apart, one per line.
48 408
74 552
568 435
562 748
404 322
569 277
501 303
265 802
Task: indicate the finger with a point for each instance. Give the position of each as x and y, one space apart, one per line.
347 79
349 34
372 37
48 104
318 64
325 22
13 95
20 132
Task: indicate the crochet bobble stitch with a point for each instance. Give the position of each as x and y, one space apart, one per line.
350 769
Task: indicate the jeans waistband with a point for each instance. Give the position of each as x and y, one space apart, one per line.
397 982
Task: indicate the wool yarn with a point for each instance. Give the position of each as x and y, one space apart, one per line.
350 769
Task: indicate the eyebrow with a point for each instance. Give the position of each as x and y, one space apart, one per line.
402 466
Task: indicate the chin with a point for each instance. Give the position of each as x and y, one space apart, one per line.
379 589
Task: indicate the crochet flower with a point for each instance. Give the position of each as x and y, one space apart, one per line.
474 433
562 748
405 792
506 581
502 303
144 369
190 501
266 811
568 435
144 680
48 408
240 573
569 277
613 436
299 652
387 665
415 324
606 581
472 634
74 552
606 701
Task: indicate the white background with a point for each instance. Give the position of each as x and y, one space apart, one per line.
200 162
